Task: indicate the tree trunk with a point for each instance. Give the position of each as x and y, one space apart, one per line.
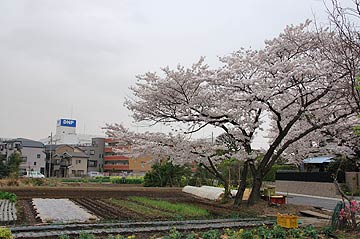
255 191
226 189
242 185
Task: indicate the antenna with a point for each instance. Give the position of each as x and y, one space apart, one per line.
71 112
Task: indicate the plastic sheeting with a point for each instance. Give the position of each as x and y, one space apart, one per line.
207 192
212 193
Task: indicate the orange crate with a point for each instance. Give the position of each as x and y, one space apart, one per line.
278 199
287 221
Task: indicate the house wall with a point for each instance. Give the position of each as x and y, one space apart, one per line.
307 188
140 165
78 167
33 162
96 154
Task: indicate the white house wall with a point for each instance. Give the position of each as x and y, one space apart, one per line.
33 163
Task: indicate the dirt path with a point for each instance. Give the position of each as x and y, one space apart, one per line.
95 192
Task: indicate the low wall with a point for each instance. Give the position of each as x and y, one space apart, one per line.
353 180
308 188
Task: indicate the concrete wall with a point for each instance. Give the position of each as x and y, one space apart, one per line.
353 180
307 188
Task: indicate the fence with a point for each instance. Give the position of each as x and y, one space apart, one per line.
321 177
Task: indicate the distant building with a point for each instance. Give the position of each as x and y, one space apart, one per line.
66 134
95 151
32 153
118 159
66 161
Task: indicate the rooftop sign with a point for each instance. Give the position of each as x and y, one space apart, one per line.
67 122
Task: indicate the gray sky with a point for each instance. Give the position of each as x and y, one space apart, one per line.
69 57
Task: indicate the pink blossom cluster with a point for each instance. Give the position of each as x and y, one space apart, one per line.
349 210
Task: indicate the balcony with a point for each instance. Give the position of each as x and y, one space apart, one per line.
115 158
115 149
116 167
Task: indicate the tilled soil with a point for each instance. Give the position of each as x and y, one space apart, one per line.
104 210
27 214
95 200
95 192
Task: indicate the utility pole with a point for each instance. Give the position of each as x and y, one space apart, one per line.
50 159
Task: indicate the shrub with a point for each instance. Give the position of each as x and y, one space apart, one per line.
6 195
123 180
37 181
166 174
271 175
5 233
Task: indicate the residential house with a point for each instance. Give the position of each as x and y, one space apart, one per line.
95 151
67 161
32 153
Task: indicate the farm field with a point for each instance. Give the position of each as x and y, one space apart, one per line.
133 204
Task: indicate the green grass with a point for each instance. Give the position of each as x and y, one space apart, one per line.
182 209
141 209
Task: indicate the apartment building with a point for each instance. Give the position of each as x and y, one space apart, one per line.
31 151
95 151
118 159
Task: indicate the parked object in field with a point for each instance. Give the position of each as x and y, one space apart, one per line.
34 174
207 192
212 193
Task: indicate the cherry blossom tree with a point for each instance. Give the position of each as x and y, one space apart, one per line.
178 148
341 141
344 21
291 80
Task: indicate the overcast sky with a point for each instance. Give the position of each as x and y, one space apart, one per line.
72 58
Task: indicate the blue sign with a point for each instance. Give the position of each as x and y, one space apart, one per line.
68 122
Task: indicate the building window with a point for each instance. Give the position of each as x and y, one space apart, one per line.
24 159
34 163
78 161
143 164
100 156
38 156
92 152
92 163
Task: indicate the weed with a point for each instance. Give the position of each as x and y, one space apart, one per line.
84 235
211 234
192 235
311 232
64 237
278 232
173 234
